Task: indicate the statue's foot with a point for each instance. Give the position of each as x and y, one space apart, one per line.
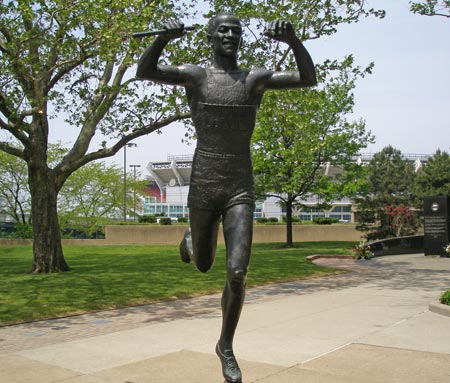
186 247
230 368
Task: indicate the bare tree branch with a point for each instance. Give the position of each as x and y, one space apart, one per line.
59 38
268 195
66 168
95 113
4 107
3 124
21 136
99 106
32 43
64 68
5 32
18 63
13 123
7 148
3 46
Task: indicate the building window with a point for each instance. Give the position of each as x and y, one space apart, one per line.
310 213
342 213
148 200
166 209
176 209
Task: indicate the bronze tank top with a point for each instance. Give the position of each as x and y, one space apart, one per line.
224 122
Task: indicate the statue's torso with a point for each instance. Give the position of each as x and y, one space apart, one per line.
223 113
224 117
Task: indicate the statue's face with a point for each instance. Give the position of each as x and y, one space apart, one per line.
227 35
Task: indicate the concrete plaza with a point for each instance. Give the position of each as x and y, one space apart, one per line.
372 324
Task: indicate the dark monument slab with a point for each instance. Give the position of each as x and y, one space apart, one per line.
436 225
411 244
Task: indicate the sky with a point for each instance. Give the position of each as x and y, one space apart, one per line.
405 101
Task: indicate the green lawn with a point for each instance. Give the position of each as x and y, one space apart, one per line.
118 276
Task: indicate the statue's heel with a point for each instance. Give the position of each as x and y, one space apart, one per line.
186 247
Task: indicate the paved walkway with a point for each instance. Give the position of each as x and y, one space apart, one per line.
371 324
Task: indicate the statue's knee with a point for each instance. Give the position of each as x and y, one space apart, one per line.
203 258
237 278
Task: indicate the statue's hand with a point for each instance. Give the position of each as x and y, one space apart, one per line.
280 31
174 30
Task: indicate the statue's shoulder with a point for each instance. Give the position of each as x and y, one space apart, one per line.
194 74
260 71
192 68
258 76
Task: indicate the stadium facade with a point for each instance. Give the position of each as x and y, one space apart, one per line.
169 186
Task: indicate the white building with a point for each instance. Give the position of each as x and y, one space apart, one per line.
171 186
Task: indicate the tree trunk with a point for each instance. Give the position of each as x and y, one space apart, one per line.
47 246
289 241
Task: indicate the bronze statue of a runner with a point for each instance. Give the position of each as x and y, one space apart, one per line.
224 100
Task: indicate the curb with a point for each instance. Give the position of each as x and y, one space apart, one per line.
440 308
328 256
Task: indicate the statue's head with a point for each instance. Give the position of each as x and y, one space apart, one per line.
225 34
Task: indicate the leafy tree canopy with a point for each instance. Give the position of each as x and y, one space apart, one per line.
431 7
74 60
91 196
299 135
94 196
390 182
434 176
71 60
390 177
300 132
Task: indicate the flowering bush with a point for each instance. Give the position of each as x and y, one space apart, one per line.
362 250
447 248
404 221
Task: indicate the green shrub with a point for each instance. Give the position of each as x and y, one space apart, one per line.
272 219
325 221
182 219
261 220
165 221
23 230
445 298
147 219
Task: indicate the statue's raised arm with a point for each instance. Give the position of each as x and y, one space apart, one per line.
148 68
283 31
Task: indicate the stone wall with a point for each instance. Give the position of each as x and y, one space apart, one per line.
152 234
171 235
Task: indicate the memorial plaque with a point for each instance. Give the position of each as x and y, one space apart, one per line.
436 225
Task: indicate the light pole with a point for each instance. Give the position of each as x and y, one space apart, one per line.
134 190
130 144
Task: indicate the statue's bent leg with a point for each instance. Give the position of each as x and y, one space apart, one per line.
203 238
238 230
